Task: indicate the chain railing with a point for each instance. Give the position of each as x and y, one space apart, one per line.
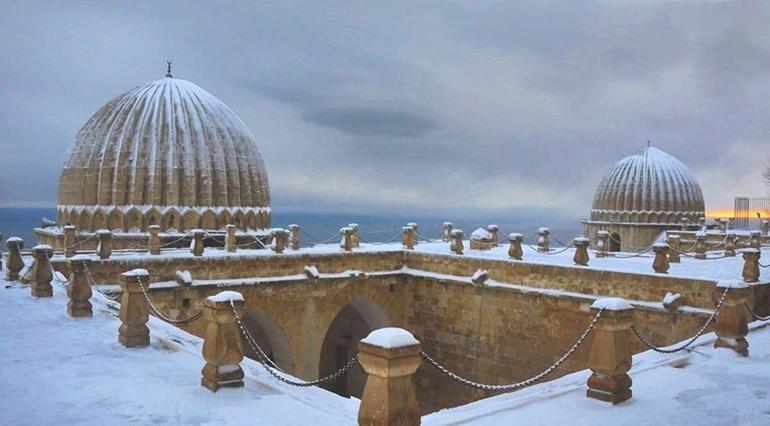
514 386
92 281
754 314
278 373
160 314
689 342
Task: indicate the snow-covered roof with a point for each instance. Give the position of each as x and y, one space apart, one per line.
164 143
650 181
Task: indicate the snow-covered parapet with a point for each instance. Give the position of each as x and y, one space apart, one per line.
731 284
226 296
42 247
390 337
611 304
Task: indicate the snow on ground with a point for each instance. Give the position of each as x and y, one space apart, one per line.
704 387
59 370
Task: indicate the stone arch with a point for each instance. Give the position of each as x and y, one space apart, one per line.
353 322
99 220
115 220
151 217
209 219
251 220
132 221
72 217
238 220
84 221
190 220
171 221
270 337
224 218
615 241
262 220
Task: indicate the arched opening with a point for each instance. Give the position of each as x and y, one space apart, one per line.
115 221
615 242
99 221
209 220
152 217
251 220
84 222
270 338
133 221
172 221
190 220
354 322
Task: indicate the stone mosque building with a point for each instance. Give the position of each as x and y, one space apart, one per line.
641 197
164 153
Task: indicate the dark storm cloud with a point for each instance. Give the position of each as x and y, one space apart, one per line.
406 105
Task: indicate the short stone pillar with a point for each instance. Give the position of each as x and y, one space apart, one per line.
722 223
731 326
416 232
279 240
730 223
751 265
69 241
43 274
153 241
610 357
14 264
445 233
79 288
390 357
356 235
602 243
196 245
222 344
408 237
674 243
457 241
700 245
494 230
701 222
685 224
755 240
543 245
134 310
104 247
294 236
765 227
514 250
347 238
731 243
581 251
231 241
660 264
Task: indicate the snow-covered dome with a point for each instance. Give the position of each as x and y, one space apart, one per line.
650 186
166 150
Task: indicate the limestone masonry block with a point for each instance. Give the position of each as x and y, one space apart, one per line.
279 240
196 245
346 244
408 237
457 241
294 237
69 241
153 242
14 264
79 288
751 265
610 356
231 241
581 251
674 244
731 326
134 310
222 345
43 273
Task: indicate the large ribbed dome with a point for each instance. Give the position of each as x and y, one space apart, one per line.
165 146
649 186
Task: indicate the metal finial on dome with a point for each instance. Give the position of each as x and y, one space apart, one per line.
168 69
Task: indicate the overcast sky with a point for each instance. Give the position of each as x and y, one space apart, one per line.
407 106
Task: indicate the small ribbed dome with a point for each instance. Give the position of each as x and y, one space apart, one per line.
165 144
649 186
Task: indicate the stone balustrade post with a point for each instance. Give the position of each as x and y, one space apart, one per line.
685 224
69 241
390 357
602 243
222 344
294 236
581 251
755 240
731 223
722 224
104 247
408 237
731 243
700 245
347 238
42 274
514 250
701 222
660 264
14 264
765 227
610 357
751 265
196 245
457 241
153 241
543 245
445 234
231 241
134 310
416 232
279 240
79 288
494 230
731 326
356 235
674 243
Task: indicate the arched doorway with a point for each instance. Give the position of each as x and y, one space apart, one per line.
270 337
615 242
354 322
